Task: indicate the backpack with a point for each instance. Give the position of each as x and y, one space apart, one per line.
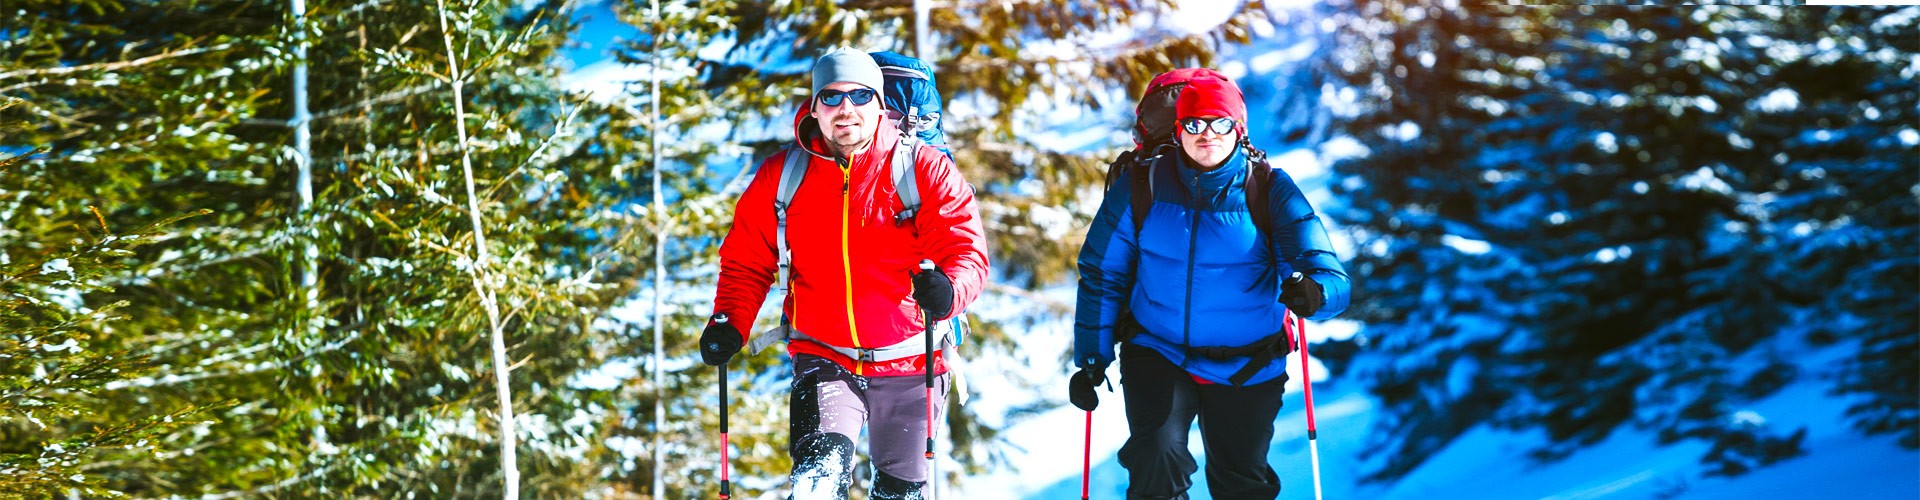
910 92
1153 129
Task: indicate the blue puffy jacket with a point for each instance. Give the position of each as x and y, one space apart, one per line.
1206 277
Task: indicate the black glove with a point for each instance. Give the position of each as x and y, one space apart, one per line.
1302 295
934 291
1080 386
719 342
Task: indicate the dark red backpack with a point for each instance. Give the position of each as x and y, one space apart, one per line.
1153 127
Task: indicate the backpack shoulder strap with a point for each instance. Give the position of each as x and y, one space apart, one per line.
1141 197
791 174
905 184
1118 168
1259 187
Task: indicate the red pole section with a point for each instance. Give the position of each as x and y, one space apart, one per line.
1086 458
1300 328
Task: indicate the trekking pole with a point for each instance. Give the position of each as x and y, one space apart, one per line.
1086 458
926 266
726 488
1313 434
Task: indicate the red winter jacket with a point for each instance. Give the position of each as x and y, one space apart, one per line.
852 267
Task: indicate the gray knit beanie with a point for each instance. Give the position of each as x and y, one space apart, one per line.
843 64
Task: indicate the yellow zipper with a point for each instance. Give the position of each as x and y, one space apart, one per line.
846 261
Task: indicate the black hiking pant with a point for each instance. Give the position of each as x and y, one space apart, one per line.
1236 429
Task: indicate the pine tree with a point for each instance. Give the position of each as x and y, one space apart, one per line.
1843 203
1568 221
140 106
408 401
53 369
376 389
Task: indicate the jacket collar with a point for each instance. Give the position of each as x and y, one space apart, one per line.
806 136
1217 179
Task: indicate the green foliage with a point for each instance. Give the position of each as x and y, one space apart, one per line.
55 368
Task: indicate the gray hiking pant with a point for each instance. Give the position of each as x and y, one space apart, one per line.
830 405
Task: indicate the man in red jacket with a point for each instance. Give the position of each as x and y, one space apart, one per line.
857 305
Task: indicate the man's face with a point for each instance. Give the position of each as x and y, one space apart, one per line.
848 127
1208 147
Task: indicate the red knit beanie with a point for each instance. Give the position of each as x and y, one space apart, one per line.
1209 97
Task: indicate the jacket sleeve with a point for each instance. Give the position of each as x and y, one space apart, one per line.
1301 241
1106 276
748 264
949 226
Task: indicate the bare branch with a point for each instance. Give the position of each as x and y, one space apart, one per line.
112 65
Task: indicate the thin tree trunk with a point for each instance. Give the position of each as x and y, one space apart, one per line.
303 154
659 262
509 467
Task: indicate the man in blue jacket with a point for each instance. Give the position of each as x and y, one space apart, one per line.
1197 296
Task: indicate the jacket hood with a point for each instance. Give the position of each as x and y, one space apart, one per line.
806 136
869 182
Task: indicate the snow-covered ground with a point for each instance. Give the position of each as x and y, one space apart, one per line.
1482 464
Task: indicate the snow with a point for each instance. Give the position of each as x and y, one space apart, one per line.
1778 101
57 266
1045 456
1191 17
1466 246
1704 180
607 376
821 482
1405 131
69 344
1606 143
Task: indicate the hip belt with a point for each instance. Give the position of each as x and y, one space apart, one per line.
1261 352
907 348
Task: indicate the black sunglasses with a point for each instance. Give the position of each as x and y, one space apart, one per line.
1194 126
861 97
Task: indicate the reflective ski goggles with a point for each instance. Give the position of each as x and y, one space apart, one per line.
1219 126
861 97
